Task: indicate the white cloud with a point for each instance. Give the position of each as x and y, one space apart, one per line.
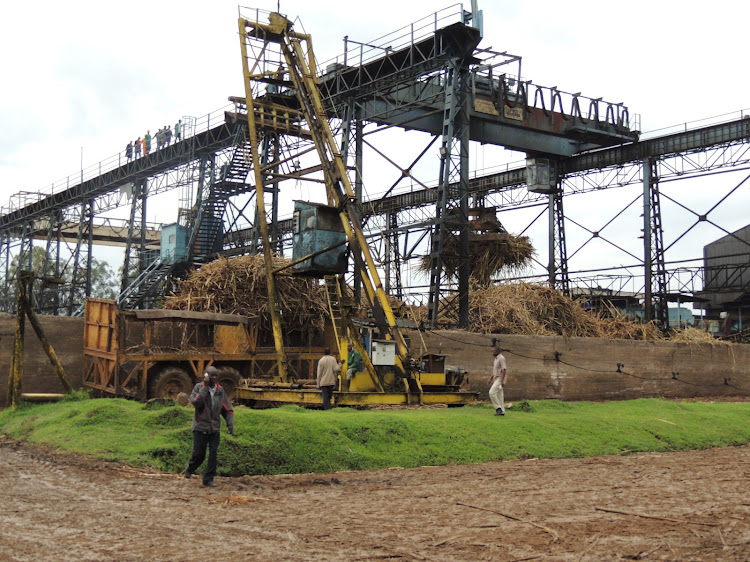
92 75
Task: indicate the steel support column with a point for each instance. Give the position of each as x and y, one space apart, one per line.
557 267
393 258
79 277
270 151
136 235
655 272
452 210
352 141
50 281
6 287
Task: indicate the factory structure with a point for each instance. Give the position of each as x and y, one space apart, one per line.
434 80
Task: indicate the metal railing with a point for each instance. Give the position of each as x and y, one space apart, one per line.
192 127
409 35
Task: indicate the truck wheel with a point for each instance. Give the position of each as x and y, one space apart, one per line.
170 383
229 379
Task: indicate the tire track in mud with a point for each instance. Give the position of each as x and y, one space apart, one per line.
693 505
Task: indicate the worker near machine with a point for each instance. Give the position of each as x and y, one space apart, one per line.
497 382
353 364
328 369
210 403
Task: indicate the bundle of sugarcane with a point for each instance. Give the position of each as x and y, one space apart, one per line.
620 327
528 309
239 286
489 254
690 334
523 308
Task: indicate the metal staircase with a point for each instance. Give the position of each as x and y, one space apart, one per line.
146 283
206 238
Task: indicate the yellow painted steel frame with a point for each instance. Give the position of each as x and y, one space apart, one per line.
313 396
340 194
261 214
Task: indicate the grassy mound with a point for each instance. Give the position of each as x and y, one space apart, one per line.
295 440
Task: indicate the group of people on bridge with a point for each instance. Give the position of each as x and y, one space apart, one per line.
163 138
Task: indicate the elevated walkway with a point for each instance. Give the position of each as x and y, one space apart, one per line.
157 162
405 88
723 134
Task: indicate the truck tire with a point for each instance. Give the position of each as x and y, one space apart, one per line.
229 379
170 383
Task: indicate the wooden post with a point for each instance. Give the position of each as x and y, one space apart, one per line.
48 349
25 280
15 378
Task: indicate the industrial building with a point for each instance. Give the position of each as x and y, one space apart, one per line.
726 288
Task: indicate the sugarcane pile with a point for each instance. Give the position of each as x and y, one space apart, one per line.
239 286
489 253
523 308
689 334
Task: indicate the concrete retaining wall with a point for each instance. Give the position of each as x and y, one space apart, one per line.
538 366
587 368
65 334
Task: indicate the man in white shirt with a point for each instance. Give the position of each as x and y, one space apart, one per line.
497 382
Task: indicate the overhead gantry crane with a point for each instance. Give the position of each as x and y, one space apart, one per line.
297 73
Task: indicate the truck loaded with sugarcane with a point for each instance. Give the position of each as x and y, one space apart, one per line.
161 353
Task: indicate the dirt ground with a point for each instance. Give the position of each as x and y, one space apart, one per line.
675 506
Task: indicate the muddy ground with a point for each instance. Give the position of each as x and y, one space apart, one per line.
674 506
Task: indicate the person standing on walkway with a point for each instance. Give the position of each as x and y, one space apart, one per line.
138 147
328 368
129 150
147 143
210 403
497 382
178 131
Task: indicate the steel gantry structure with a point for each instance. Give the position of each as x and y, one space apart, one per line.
430 77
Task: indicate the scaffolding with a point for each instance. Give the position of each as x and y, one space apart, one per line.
430 78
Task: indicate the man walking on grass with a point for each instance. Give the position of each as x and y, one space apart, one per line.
497 382
211 402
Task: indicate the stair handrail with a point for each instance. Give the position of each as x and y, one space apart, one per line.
142 277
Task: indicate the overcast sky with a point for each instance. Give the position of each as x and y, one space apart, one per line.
81 78
93 75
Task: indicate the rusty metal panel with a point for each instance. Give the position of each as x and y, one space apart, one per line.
100 344
234 339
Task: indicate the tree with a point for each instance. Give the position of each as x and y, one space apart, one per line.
104 284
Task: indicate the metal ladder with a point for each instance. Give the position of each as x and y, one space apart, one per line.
335 308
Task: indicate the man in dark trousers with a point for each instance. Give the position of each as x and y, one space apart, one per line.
210 402
328 369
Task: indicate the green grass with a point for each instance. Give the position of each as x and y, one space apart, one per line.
295 440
